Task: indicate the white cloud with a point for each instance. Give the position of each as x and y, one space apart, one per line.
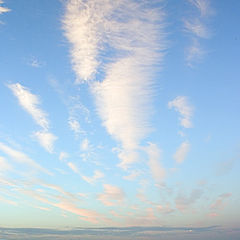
22 158
31 104
74 125
154 155
112 195
3 9
124 97
46 140
181 105
73 167
85 145
63 155
4 165
97 175
182 152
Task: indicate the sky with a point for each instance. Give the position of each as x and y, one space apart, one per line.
119 119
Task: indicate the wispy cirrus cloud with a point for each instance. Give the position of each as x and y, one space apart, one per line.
134 34
184 108
31 104
196 27
182 152
21 158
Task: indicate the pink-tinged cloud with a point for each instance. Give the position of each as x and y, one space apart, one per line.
112 195
86 215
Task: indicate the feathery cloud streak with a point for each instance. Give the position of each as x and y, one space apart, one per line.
182 106
197 28
31 104
132 34
21 157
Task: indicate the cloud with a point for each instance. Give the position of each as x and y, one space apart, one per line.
85 145
224 167
46 139
31 104
154 155
97 175
3 9
86 215
133 175
22 158
63 155
132 34
194 52
109 233
73 167
111 196
185 202
183 107
220 202
79 23
74 125
8 201
182 152
202 5
4 165
197 29
34 62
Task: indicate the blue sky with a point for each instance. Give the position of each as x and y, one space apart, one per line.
119 114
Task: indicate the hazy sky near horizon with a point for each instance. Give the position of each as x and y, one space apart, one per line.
118 114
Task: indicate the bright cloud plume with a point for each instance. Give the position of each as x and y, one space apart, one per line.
31 104
124 96
183 107
182 152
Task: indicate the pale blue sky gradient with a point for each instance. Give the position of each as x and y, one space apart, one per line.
120 114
